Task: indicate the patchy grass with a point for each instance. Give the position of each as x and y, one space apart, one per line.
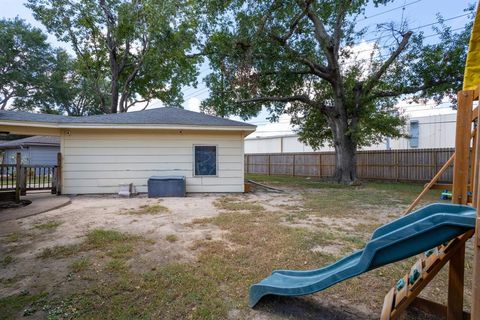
116 265
120 250
13 237
59 251
49 225
101 238
12 305
80 265
6 260
171 238
115 243
235 204
149 209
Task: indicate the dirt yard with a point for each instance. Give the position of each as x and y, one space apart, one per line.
105 257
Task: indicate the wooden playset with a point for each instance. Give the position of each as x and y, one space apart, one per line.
466 161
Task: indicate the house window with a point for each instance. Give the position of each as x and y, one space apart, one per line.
205 160
414 133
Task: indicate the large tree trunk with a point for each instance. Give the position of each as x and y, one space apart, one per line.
114 92
345 154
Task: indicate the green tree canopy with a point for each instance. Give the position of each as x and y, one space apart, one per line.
68 92
301 58
143 49
25 61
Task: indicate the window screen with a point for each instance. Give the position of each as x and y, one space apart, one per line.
205 160
414 133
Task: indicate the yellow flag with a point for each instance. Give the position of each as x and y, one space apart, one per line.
471 79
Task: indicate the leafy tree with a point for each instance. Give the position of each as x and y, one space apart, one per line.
141 47
25 59
301 57
68 91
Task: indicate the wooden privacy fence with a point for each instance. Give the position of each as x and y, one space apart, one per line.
393 165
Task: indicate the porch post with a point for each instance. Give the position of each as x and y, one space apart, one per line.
18 162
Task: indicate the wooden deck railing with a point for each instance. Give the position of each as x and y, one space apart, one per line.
25 177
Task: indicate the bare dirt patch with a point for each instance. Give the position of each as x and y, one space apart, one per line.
68 226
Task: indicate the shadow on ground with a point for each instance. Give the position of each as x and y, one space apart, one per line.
304 308
309 309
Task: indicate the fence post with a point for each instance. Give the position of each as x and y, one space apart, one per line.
23 181
397 170
59 173
293 169
18 162
269 165
319 165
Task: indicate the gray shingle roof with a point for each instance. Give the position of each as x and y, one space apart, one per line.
31 141
158 116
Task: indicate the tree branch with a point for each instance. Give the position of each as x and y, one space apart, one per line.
323 39
409 90
300 98
377 75
316 69
293 25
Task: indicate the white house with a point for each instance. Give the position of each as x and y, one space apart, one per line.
102 152
426 131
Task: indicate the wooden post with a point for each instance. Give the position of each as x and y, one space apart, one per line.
473 158
462 147
459 196
59 173
23 181
475 314
269 165
293 169
476 272
397 171
18 162
320 165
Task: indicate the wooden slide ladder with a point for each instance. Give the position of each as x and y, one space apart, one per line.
405 293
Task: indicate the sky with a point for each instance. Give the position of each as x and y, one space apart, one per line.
417 13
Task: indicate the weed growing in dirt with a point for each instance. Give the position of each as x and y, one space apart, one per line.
10 306
80 265
5 261
171 238
13 237
115 243
149 209
236 204
49 225
59 251
116 265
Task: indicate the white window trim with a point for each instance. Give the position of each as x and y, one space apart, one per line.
417 123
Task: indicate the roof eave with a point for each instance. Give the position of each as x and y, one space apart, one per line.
249 128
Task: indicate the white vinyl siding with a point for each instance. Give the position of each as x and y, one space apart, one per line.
98 161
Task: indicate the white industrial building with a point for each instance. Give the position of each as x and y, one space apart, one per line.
434 130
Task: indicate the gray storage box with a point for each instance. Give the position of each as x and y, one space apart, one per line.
167 186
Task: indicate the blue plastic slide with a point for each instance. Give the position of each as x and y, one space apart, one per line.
407 236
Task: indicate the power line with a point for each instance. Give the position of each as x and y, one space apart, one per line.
418 28
196 93
390 10
428 36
